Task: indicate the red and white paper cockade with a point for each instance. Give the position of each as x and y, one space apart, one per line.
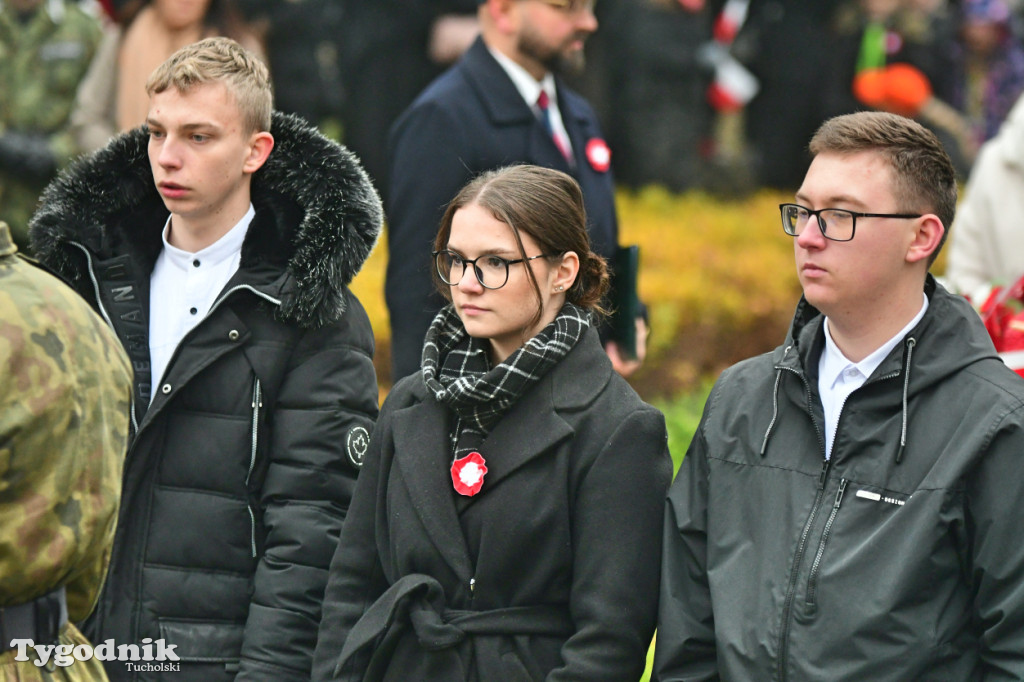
468 474
599 155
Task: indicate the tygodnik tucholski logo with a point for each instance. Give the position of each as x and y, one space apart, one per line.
150 656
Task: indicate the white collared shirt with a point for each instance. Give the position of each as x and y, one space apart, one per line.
838 377
184 285
530 89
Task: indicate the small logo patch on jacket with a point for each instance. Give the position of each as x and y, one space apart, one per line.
356 444
876 497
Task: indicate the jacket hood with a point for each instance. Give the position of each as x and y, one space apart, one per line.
325 215
949 338
944 344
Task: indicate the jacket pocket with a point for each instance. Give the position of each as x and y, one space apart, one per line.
203 641
812 580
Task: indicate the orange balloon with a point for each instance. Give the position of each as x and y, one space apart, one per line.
869 87
898 88
907 89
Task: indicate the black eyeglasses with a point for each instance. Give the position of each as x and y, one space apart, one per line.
490 271
836 224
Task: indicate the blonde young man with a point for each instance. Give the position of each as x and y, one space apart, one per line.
218 242
849 506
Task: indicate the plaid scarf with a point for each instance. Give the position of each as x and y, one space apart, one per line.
457 370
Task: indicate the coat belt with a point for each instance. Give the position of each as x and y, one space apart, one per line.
418 600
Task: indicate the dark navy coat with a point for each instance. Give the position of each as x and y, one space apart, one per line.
470 120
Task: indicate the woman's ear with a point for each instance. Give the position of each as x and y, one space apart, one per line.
565 272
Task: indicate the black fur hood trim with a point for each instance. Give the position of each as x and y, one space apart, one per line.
318 215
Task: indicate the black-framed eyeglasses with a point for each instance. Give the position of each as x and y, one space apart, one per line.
491 271
836 224
572 6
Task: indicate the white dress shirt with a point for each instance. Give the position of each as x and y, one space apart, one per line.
184 285
530 88
838 377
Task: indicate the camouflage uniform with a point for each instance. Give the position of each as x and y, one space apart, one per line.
65 386
41 64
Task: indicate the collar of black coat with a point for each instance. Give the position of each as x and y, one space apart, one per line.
318 215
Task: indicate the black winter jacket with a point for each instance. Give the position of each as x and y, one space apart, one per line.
240 471
898 559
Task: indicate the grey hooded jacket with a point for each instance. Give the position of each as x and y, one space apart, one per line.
899 559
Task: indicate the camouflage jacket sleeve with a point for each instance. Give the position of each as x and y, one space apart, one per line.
64 401
41 65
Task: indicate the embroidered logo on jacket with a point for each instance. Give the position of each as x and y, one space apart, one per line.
356 444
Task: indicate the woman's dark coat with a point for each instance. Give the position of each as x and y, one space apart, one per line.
240 471
563 539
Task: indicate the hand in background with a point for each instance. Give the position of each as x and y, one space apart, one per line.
623 364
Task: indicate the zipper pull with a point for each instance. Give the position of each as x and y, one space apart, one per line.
472 585
824 474
839 493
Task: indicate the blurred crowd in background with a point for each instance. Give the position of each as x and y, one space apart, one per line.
713 94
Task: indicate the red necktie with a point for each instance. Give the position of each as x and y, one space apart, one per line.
545 115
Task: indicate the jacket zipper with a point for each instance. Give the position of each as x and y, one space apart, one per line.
795 571
802 546
257 403
812 581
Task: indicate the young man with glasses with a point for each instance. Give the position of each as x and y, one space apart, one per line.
483 113
848 506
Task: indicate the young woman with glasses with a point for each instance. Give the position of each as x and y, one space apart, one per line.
506 524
